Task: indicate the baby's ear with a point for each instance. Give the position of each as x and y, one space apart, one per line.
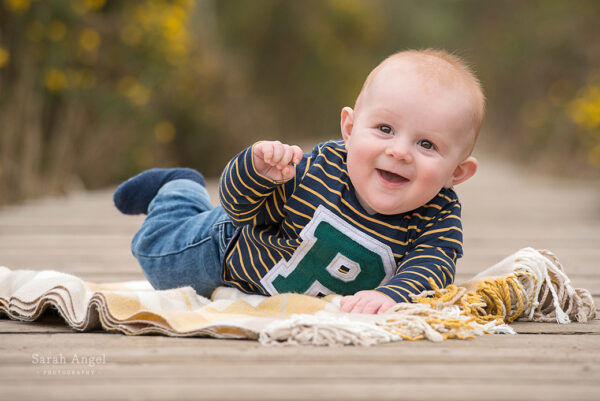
347 122
463 171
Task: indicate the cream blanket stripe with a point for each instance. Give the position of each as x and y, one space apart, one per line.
529 285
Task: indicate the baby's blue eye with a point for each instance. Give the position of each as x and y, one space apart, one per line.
426 144
386 129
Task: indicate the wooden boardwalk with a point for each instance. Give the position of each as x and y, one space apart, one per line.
504 210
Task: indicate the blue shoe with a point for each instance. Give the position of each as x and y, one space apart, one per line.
134 195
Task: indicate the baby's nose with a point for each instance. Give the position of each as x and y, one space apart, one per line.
400 151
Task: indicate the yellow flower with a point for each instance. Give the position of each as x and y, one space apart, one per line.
585 110
89 40
167 19
55 80
18 6
83 6
173 28
137 93
4 57
164 132
57 30
95 4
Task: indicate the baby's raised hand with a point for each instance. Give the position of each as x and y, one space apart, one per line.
276 160
367 301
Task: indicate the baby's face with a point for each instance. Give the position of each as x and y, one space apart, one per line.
405 140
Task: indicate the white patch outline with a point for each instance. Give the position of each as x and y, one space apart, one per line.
339 260
322 214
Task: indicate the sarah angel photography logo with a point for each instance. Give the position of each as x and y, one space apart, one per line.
68 364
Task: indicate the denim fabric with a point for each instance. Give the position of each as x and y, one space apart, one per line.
183 240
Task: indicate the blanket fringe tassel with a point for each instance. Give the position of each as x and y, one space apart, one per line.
536 289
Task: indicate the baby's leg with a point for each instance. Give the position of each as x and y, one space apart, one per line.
134 195
182 240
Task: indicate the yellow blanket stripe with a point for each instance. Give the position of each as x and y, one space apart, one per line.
529 285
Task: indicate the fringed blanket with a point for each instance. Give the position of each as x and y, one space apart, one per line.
528 285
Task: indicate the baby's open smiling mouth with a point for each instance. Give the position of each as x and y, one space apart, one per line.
390 177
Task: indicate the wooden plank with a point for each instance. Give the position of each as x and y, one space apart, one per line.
513 348
592 327
504 209
239 366
274 389
46 324
92 367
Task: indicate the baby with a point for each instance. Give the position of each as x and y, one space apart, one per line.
373 217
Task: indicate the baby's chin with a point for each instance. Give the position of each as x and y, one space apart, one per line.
388 210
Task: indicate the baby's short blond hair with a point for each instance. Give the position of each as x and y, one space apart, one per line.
444 68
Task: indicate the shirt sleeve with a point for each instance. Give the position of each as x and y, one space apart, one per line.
248 197
433 256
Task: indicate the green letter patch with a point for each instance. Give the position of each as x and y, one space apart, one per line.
334 257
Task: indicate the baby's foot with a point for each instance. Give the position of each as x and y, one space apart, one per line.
134 195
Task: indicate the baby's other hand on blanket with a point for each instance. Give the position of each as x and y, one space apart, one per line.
368 301
276 160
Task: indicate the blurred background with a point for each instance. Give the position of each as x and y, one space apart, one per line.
94 91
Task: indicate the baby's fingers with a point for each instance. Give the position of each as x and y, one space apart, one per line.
271 152
292 155
278 153
263 151
276 160
284 157
296 154
348 302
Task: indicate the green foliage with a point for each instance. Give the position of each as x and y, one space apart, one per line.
539 62
309 57
96 90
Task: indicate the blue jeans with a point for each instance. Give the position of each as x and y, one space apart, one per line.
184 239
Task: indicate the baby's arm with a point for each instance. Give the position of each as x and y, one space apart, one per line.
368 301
255 184
433 257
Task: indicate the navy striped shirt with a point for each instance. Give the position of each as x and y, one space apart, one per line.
274 218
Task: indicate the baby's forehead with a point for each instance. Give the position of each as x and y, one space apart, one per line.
395 75
432 75
430 70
